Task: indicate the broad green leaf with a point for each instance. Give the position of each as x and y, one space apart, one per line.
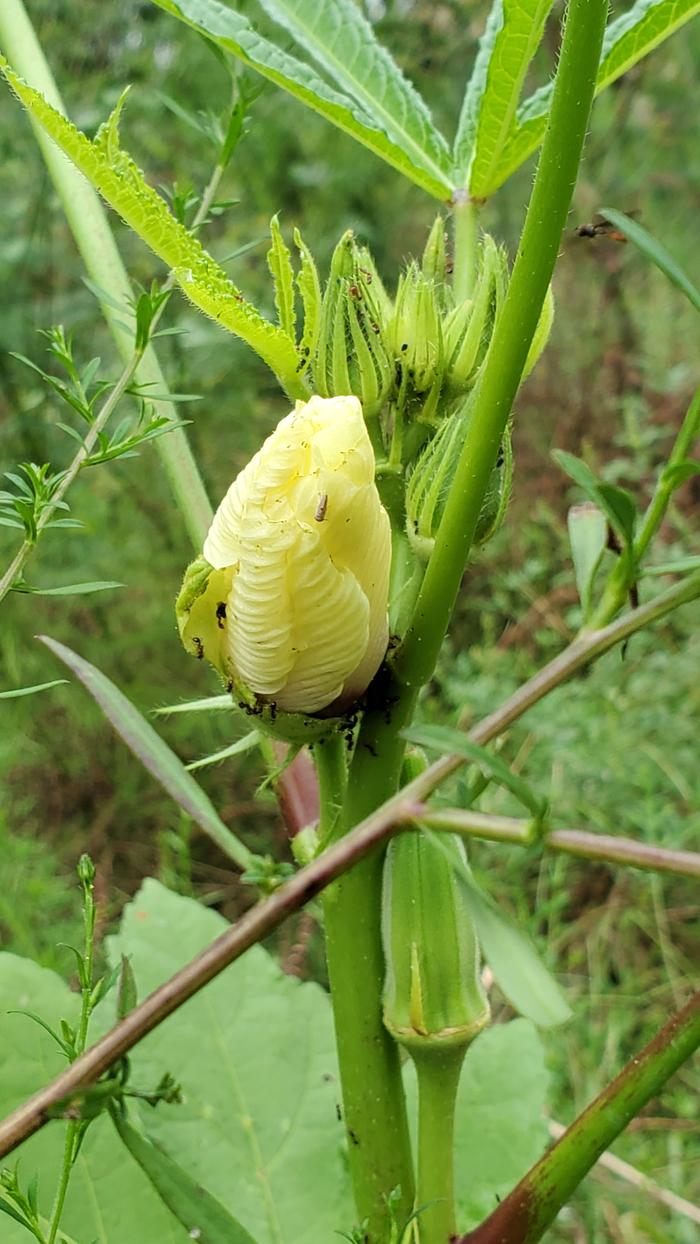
204 1217
513 33
515 963
343 44
234 33
588 537
109 1198
153 752
16 692
445 739
616 502
499 1125
245 744
628 39
280 265
120 181
652 249
255 1054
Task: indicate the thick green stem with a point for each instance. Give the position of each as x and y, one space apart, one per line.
438 1074
513 333
88 223
465 222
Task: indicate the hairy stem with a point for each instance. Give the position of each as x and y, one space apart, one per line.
88 222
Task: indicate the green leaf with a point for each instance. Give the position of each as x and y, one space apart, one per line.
617 503
200 1213
120 181
515 963
153 752
108 1197
280 265
245 744
512 36
234 33
447 740
343 44
70 589
588 537
258 1128
212 704
628 39
652 249
684 565
41 686
309 288
499 1117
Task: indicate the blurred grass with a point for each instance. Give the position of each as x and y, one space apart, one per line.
615 750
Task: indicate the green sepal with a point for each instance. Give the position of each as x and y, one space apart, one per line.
469 327
280 265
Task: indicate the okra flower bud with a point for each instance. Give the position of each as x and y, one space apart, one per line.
433 995
289 600
350 354
468 328
414 336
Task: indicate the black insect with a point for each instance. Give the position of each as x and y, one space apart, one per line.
221 614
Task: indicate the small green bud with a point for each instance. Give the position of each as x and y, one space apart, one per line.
86 870
432 478
432 995
415 334
434 265
468 328
541 337
351 358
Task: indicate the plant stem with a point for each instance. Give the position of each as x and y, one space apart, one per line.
438 1074
330 756
23 554
689 430
531 1207
513 333
465 221
88 222
606 847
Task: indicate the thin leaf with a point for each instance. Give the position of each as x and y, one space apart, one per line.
42 686
70 589
245 744
652 249
280 265
213 703
513 33
616 502
628 39
515 963
232 32
62 1045
343 44
120 181
309 288
454 742
153 752
202 1216
685 565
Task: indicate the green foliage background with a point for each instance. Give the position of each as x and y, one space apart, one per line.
615 751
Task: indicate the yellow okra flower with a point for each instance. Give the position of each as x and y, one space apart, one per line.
289 600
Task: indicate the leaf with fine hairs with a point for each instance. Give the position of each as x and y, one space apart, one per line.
513 33
118 179
234 33
153 752
628 39
344 46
